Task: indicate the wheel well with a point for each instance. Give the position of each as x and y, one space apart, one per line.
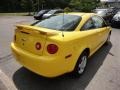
87 50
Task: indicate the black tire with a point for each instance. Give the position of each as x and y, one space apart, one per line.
79 70
108 39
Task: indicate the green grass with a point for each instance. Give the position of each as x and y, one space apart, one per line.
14 14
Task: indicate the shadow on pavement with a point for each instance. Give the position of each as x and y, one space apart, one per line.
26 80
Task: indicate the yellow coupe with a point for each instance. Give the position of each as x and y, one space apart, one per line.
60 44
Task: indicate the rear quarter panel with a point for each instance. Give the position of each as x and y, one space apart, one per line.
73 44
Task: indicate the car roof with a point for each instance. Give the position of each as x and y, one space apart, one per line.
81 14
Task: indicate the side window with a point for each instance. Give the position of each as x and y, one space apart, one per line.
98 22
88 25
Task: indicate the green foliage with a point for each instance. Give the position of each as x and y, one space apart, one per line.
75 3
36 5
27 5
84 5
67 9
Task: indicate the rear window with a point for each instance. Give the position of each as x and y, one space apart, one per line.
60 22
42 11
51 12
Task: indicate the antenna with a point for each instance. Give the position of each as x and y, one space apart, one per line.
63 24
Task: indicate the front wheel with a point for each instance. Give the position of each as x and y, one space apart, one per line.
81 64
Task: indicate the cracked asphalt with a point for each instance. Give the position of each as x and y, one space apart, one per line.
102 72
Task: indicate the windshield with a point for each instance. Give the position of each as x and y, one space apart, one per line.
101 13
117 15
60 22
42 11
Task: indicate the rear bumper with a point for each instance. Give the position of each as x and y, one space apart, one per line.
42 65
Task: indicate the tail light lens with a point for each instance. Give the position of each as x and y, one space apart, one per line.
38 46
52 48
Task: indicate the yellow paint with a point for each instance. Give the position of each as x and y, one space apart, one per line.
73 43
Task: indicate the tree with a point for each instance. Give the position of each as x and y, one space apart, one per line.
75 4
84 5
36 5
27 5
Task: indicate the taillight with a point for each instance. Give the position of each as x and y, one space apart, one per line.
38 46
52 48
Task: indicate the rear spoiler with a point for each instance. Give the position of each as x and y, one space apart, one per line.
42 31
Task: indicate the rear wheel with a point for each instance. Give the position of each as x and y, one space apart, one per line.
108 39
81 64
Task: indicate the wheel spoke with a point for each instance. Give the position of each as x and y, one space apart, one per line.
82 65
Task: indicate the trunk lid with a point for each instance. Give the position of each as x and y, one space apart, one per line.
26 37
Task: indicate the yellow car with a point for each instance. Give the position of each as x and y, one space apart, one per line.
60 44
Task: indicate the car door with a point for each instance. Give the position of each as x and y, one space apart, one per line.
101 27
92 39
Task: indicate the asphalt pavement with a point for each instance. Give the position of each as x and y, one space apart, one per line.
2 86
102 72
